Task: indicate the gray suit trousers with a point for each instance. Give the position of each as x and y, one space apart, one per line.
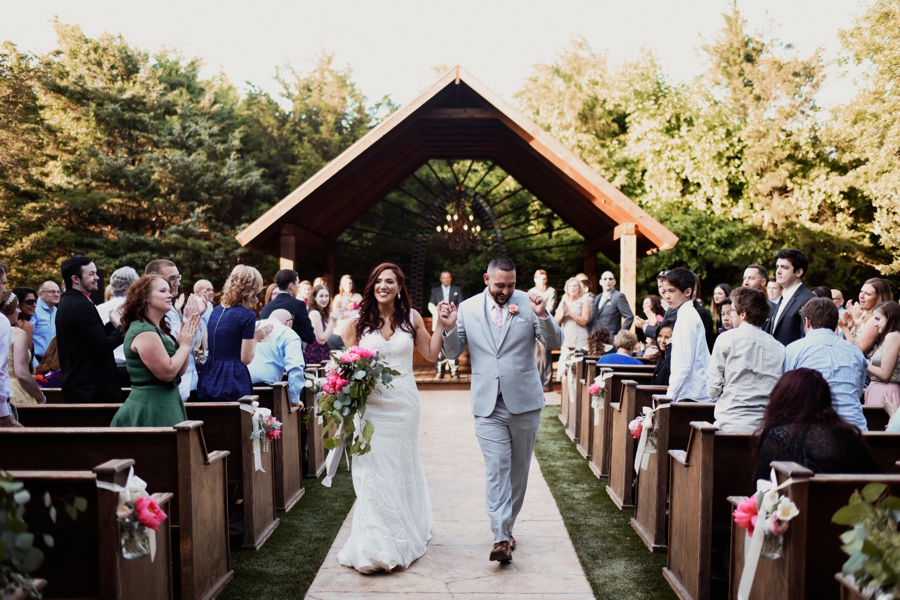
507 443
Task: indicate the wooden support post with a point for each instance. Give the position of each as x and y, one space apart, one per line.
590 268
288 248
628 263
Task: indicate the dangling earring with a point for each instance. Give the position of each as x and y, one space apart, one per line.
398 295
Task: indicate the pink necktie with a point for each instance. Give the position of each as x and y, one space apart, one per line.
498 318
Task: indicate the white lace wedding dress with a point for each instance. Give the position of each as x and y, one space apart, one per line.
392 519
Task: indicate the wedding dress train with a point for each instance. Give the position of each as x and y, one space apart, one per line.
392 518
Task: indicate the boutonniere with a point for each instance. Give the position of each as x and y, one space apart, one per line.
513 309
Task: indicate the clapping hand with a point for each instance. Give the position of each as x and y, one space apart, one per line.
262 332
447 314
115 315
189 329
195 306
538 305
179 302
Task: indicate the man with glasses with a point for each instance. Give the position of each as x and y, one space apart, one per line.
204 289
44 319
280 353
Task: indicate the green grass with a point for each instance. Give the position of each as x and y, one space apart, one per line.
287 564
615 561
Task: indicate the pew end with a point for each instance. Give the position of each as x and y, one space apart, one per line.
287 451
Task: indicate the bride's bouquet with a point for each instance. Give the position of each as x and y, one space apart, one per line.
349 380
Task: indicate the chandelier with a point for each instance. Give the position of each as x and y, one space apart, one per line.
459 232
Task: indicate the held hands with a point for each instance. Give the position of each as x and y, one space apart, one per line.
447 314
538 305
189 329
262 332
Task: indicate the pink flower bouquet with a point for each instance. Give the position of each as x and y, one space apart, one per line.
149 513
779 510
349 380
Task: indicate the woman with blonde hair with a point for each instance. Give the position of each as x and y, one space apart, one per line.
23 388
233 333
572 314
349 299
856 322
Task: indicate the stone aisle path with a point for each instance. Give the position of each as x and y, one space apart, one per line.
456 564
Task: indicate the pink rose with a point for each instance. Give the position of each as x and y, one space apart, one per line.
594 389
273 434
349 357
354 306
513 309
746 514
636 432
364 352
149 513
776 526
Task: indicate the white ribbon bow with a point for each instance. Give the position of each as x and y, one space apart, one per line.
134 488
752 553
255 412
646 425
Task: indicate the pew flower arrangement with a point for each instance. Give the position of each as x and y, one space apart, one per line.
350 378
269 430
134 519
777 511
873 544
594 390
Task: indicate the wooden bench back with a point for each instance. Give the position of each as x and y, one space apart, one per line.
600 447
876 418
288 450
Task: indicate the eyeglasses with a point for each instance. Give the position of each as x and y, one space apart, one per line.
31 302
51 292
174 278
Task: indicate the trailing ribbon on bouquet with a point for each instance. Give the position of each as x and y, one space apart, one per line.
134 488
753 550
646 427
597 402
333 458
255 412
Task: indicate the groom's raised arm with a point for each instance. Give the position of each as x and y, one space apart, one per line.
548 332
455 339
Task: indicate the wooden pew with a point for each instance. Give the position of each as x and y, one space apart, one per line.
286 451
602 420
86 558
876 418
573 394
673 429
714 467
168 458
812 545
564 402
313 444
587 373
225 427
623 443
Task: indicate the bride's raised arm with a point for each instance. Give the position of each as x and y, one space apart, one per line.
429 344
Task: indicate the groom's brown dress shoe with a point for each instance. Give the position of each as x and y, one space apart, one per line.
501 552
512 542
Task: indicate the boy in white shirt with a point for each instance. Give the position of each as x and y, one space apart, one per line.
688 349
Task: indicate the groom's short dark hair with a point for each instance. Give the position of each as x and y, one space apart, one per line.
503 263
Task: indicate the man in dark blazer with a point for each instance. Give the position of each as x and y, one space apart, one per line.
446 292
785 323
288 282
610 307
85 345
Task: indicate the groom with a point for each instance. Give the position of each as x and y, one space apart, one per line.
500 326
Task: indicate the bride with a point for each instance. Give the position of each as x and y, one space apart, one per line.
392 519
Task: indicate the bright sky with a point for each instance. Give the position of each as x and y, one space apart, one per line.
392 45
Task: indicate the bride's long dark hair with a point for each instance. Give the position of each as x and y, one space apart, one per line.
369 315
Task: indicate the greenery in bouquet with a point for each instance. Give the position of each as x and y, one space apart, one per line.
874 542
350 378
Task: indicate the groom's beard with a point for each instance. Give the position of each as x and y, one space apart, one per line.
500 299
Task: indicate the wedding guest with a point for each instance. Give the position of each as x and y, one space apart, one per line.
23 388
48 373
720 293
107 293
841 363
648 326
6 418
572 314
350 299
204 290
600 342
281 353
801 426
884 363
119 282
304 291
822 291
653 310
323 320
785 323
610 306
689 362
745 365
288 282
856 322
662 369
155 359
542 355
756 277
774 291
271 292
837 296
624 342
86 345
319 281
27 298
168 270
233 335
44 319
709 326
726 308
446 292
586 288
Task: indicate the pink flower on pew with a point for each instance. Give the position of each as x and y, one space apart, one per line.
149 513
746 514
594 389
636 427
776 526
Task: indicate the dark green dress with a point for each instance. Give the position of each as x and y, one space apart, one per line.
151 403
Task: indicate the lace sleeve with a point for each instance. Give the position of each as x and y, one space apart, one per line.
775 445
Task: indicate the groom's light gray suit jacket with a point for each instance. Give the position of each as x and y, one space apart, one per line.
502 363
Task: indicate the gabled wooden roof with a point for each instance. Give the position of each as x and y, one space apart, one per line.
457 117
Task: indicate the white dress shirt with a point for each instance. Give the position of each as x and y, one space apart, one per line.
281 353
190 378
445 289
491 303
690 357
786 296
746 364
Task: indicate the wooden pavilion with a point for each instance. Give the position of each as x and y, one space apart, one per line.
456 117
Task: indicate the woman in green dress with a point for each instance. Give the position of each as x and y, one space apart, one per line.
154 359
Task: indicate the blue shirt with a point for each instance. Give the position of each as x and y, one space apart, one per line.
44 321
842 365
282 352
618 359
